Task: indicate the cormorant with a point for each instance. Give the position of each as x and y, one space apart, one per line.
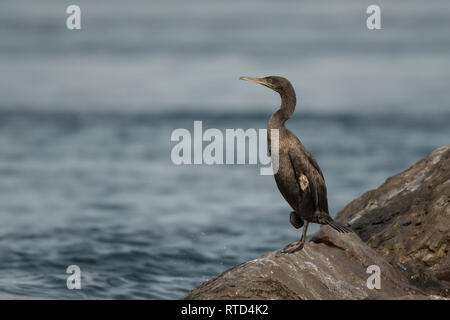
299 177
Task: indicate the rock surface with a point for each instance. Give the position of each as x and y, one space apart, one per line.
403 227
407 220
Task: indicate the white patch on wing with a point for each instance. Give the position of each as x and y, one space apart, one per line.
303 182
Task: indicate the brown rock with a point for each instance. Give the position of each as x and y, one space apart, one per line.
330 266
407 220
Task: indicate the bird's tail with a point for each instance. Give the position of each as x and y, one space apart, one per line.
324 218
338 227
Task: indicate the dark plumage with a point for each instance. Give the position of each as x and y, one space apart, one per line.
299 177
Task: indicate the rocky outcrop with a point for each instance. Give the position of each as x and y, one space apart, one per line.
330 266
407 220
403 227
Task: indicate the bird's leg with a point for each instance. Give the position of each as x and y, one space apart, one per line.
298 245
303 239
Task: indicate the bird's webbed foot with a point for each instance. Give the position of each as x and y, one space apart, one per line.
294 246
295 220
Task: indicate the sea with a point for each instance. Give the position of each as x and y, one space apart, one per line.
86 118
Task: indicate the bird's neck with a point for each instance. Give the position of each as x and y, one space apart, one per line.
288 101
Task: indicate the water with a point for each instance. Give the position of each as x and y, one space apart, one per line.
86 118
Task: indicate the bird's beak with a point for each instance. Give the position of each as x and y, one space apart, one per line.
257 80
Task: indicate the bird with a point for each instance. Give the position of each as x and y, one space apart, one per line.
299 177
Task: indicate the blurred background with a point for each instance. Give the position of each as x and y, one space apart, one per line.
86 117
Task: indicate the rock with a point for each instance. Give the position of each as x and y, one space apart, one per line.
407 220
402 227
330 266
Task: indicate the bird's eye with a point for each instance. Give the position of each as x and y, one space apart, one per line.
269 80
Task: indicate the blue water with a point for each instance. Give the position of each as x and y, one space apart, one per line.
86 118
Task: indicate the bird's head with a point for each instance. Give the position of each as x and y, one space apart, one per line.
278 84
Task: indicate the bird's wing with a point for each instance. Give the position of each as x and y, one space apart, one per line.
309 177
314 163
301 148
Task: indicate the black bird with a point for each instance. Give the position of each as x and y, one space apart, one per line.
299 177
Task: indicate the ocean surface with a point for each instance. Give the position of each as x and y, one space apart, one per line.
86 117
